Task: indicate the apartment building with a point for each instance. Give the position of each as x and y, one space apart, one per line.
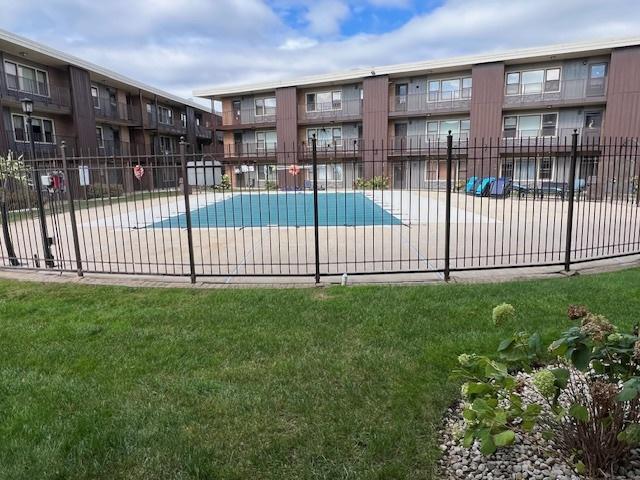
377 116
93 110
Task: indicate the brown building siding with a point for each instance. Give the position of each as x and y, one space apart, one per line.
622 117
287 135
83 111
486 101
375 124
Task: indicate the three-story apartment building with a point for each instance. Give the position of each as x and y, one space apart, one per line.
377 116
96 112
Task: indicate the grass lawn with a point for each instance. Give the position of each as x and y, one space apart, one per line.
336 383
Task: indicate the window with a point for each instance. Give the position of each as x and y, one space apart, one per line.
11 71
531 82
166 145
265 106
532 169
597 70
42 129
325 136
506 170
96 98
26 79
450 89
545 169
266 140
523 126
593 119
330 173
324 101
439 130
183 120
149 108
100 137
165 115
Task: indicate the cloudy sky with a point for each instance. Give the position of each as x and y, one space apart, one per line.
181 45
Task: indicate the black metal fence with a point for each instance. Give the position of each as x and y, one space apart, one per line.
322 209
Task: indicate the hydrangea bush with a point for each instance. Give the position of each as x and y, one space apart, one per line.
587 398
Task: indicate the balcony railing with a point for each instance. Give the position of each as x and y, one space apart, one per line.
331 110
568 91
41 93
248 116
457 100
203 131
250 149
44 145
558 138
113 148
120 112
412 144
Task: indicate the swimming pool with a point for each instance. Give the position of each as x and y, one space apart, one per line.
285 209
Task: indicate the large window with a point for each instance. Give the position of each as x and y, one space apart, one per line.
451 89
531 82
166 146
265 106
266 141
325 136
324 101
165 115
330 173
43 131
524 170
438 130
26 79
524 126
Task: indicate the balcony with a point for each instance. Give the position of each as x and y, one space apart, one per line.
248 117
120 149
576 91
432 102
203 131
536 141
256 150
47 146
117 112
348 147
46 97
331 111
424 144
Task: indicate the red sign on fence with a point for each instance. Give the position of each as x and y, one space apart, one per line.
138 171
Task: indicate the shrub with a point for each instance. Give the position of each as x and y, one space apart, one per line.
104 190
375 183
589 404
503 313
225 182
270 185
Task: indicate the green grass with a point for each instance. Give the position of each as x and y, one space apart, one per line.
336 383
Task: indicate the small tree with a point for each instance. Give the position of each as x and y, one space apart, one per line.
13 175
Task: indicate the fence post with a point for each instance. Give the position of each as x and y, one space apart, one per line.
572 186
72 208
316 233
187 212
447 225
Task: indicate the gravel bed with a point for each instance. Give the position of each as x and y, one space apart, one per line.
530 457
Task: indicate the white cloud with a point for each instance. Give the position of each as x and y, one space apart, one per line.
324 17
181 46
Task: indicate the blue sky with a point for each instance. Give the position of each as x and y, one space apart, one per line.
182 45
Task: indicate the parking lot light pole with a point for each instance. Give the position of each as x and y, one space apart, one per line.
27 108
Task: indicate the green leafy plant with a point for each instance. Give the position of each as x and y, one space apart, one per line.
270 185
375 183
103 190
225 182
589 404
503 313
